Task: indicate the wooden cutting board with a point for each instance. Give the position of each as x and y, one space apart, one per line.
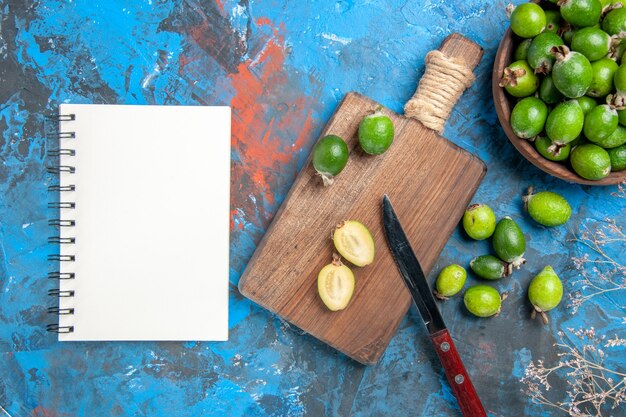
430 182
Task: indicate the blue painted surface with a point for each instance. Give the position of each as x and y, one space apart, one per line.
283 66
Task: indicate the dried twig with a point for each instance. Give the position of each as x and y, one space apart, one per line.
593 388
600 272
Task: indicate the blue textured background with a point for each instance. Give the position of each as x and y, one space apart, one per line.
283 66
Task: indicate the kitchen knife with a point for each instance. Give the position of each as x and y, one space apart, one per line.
415 281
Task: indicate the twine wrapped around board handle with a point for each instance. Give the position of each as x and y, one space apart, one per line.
444 81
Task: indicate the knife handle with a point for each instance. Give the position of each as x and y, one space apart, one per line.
458 377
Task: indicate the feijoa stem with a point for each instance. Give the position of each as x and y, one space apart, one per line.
439 296
337 260
502 298
509 10
616 101
526 198
327 179
544 316
560 52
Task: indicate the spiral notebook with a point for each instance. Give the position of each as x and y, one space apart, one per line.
143 223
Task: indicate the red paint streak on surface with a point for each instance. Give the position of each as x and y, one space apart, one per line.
220 4
262 135
262 21
42 412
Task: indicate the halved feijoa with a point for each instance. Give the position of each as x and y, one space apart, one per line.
335 285
354 242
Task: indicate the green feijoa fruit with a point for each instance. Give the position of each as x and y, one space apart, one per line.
586 103
600 123
565 122
592 42
548 92
605 3
602 83
509 242
519 80
619 79
547 208
354 242
330 157
450 281
482 300
529 117
553 21
528 20
552 153
376 133
335 285
581 13
590 161
540 56
545 292
615 21
479 221
618 158
521 52
571 73
621 115
615 139
490 267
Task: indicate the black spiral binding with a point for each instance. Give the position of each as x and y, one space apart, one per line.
58 223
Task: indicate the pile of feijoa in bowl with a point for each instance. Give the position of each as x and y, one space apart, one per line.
568 73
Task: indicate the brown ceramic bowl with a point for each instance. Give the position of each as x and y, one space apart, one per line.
504 104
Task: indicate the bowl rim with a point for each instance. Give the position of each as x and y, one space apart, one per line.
502 104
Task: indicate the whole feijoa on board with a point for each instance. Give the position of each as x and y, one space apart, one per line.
509 242
490 267
543 145
586 103
521 51
565 122
581 13
572 73
529 117
615 21
479 221
602 82
450 281
354 242
482 300
600 123
519 79
615 139
548 92
540 57
618 158
528 20
547 208
590 161
545 292
330 157
592 42
376 132
335 285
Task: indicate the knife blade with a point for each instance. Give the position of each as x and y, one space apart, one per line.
415 281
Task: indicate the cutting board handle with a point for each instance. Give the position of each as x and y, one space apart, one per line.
448 73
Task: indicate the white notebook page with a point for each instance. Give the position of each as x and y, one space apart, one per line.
152 222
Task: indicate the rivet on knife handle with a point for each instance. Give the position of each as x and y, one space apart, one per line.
458 378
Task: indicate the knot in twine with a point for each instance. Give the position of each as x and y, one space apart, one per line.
441 86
